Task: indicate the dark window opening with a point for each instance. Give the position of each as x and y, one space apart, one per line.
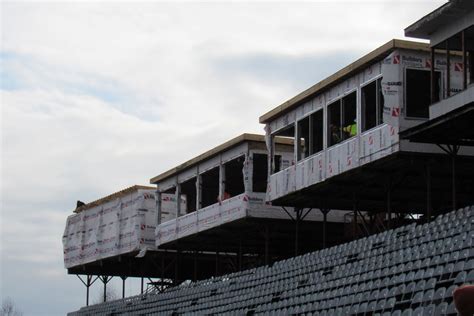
209 187
342 119
277 159
372 105
288 133
171 190
259 173
302 150
334 123
234 178
418 92
317 132
349 116
188 190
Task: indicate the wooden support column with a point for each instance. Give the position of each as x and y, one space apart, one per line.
178 198
432 76
198 191
464 60
221 181
158 207
448 69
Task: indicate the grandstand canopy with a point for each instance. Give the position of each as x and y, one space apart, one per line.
452 128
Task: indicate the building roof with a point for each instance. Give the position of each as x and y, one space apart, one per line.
344 73
427 25
215 151
112 196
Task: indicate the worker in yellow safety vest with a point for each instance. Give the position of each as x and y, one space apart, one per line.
351 129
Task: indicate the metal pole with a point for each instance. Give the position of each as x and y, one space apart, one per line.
176 266
297 230
104 280
389 206
325 219
123 286
354 209
195 266
217 262
428 193
89 279
162 279
453 177
267 240
240 254
141 286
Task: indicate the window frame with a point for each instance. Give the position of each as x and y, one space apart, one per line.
378 107
405 104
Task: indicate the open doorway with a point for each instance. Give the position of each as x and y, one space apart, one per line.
209 187
234 178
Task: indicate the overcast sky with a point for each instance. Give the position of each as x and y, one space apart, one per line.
98 97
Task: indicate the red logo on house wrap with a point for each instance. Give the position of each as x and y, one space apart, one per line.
428 63
396 59
458 67
371 140
396 112
392 130
142 227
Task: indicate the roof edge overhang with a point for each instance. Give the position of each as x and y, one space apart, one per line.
111 197
246 137
424 27
370 58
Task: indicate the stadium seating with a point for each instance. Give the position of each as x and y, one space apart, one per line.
407 271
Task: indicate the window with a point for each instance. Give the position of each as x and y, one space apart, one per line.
334 123
418 92
209 187
234 178
259 173
316 142
349 116
372 105
289 133
342 119
188 190
302 147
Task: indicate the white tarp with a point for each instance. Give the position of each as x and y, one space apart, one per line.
238 207
122 225
235 208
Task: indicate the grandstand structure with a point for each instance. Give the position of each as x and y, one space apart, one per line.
410 270
387 142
